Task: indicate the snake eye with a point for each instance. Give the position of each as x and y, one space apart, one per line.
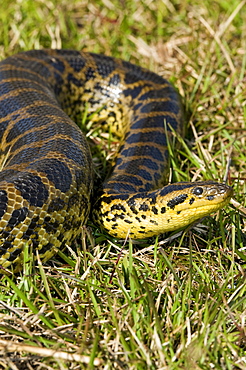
197 191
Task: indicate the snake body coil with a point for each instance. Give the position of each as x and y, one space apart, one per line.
47 175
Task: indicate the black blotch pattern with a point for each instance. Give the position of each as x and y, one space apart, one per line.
134 209
75 59
128 221
116 187
3 202
118 207
147 137
50 226
177 200
106 200
57 64
67 147
114 80
154 106
45 248
56 171
156 93
59 83
72 79
132 205
130 77
89 74
175 187
133 92
31 228
11 105
144 207
154 210
149 122
14 254
56 205
30 137
163 210
152 198
72 201
71 151
27 155
32 189
105 64
134 165
191 201
146 150
82 179
157 176
18 215
127 178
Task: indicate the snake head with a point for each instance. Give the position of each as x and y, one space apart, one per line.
174 206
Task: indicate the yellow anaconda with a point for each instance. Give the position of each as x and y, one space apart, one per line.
47 176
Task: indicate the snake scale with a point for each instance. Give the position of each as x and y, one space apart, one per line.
46 177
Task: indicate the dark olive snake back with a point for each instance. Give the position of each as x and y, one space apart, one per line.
47 176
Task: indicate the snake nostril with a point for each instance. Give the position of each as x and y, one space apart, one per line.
198 190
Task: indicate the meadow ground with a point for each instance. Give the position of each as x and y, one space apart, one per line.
177 301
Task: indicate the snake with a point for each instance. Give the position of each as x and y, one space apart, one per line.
47 172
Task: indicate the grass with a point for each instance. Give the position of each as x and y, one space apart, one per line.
177 301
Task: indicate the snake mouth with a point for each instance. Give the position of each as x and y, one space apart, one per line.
208 208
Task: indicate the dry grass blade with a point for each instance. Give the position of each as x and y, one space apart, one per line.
8 346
